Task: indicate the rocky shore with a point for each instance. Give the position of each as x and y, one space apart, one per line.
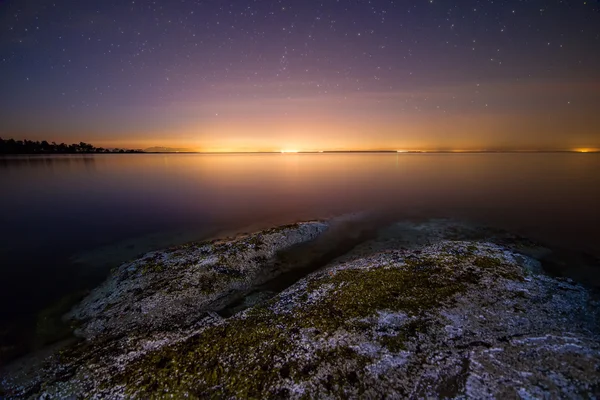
433 309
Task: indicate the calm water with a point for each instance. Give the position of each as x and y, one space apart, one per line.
65 220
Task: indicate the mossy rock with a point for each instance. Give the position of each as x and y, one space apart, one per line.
454 319
264 352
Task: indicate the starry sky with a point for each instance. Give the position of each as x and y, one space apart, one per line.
271 75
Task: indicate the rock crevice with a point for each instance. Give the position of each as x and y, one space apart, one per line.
443 318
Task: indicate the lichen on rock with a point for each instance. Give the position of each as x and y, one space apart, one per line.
172 288
450 319
388 325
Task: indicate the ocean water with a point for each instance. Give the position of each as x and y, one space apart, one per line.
66 220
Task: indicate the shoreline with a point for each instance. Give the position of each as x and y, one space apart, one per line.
257 273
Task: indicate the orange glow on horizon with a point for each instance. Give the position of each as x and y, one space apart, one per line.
373 121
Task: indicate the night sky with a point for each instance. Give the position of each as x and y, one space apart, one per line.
301 74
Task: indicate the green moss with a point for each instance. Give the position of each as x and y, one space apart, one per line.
212 280
486 262
394 344
471 249
412 329
222 260
248 357
242 358
245 358
346 367
153 266
234 247
186 263
359 293
256 241
500 268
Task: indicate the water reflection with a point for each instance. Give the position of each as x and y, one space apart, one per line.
521 190
56 206
47 161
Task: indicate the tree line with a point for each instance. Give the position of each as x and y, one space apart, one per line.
12 146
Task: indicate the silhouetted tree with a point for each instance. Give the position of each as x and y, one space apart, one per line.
12 146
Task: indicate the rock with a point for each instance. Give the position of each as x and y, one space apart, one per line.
174 287
448 319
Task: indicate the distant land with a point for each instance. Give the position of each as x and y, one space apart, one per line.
12 146
168 150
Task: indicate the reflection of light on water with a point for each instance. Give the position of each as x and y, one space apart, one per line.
585 150
288 151
401 151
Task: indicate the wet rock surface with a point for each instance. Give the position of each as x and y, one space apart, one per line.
424 310
174 287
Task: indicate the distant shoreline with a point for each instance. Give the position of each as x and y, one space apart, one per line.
30 147
311 152
371 152
12 146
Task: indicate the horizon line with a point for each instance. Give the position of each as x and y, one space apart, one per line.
581 151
